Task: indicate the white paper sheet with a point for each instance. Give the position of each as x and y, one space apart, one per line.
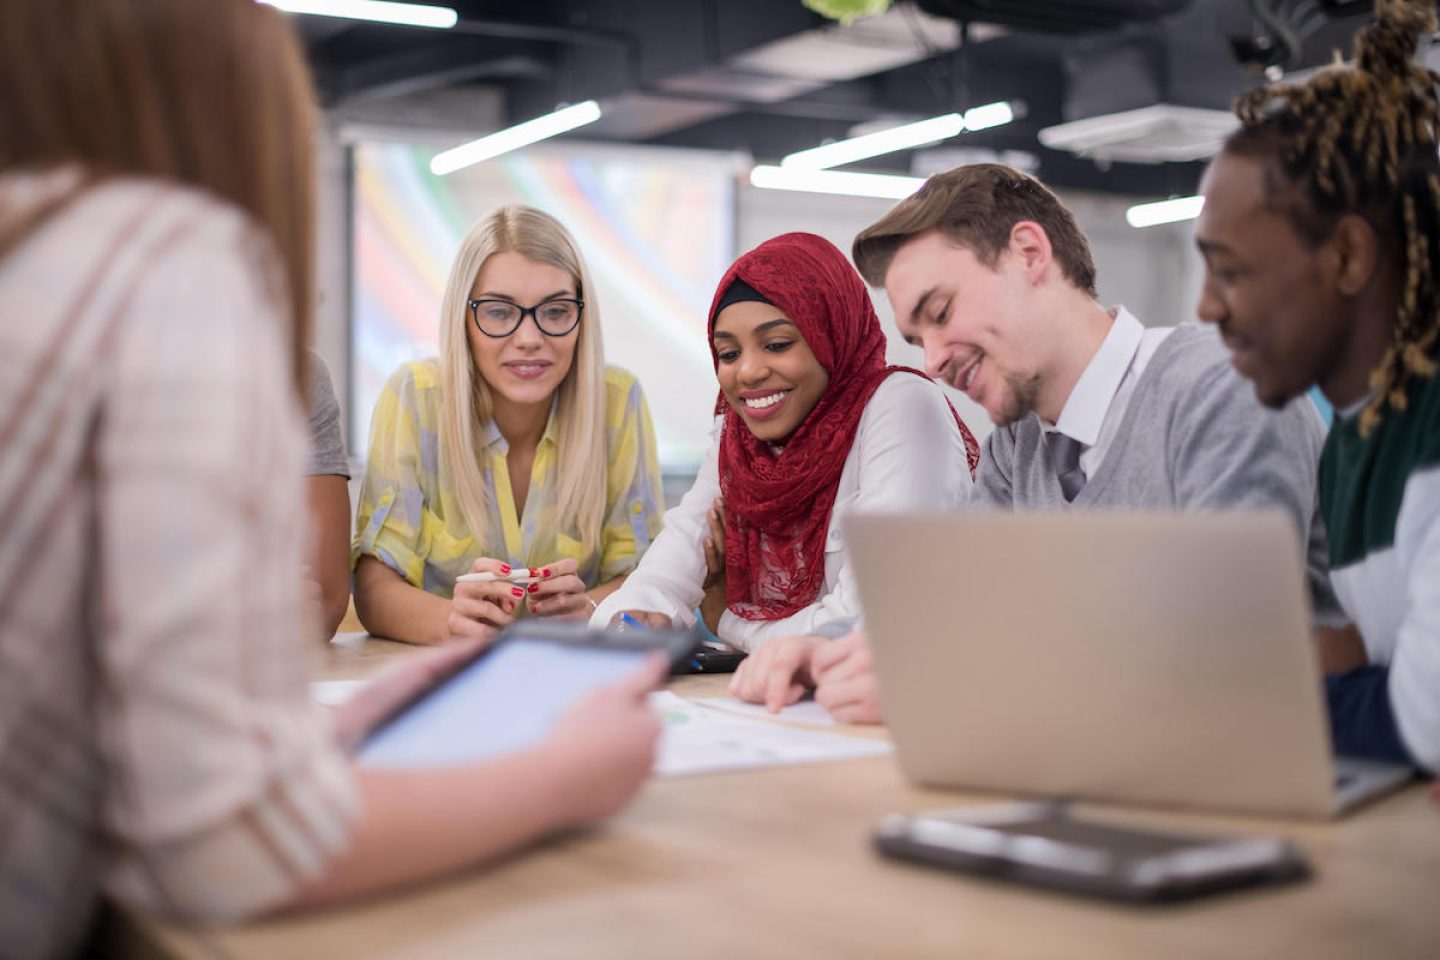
332 693
807 712
351 640
711 735
700 739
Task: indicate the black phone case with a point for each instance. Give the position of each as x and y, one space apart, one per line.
1288 869
708 658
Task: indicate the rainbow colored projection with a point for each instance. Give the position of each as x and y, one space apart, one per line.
656 228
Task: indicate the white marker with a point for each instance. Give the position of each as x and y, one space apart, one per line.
521 575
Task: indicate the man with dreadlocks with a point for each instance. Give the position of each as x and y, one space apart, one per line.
1321 239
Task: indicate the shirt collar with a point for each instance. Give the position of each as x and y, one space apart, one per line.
1353 411
1085 408
493 437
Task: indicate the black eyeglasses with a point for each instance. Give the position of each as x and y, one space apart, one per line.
500 318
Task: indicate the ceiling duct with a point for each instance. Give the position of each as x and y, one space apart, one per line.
1054 16
1161 93
778 70
1159 133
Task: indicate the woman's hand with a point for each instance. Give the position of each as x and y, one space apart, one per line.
715 546
559 592
777 674
395 685
479 610
605 744
712 605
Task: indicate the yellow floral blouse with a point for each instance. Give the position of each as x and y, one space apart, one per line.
408 517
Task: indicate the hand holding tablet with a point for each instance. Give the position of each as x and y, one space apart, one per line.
515 693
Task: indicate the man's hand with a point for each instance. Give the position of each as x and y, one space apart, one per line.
778 673
844 673
1341 649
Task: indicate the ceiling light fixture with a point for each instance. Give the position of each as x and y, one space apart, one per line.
903 137
805 180
1164 211
989 115
377 11
513 138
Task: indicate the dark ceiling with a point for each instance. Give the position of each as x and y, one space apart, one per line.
770 77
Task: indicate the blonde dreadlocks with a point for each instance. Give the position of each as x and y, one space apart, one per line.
1362 140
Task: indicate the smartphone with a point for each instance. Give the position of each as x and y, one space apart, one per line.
710 657
1042 844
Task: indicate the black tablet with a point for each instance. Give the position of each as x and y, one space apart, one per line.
509 697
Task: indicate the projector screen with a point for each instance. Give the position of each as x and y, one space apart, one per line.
655 226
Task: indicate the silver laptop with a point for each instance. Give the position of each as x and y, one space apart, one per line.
1138 657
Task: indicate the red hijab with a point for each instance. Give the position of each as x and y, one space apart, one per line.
777 505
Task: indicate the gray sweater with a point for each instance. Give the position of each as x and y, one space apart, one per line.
1192 437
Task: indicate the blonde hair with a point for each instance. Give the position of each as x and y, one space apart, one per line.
466 405
214 95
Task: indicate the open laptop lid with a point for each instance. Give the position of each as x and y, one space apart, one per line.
1139 657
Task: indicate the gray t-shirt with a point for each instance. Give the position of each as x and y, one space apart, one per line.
1193 436
327 446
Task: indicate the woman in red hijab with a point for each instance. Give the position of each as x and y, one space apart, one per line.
811 423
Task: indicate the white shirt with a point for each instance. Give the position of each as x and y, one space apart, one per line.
1096 406
907 455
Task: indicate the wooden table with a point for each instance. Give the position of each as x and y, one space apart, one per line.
777 863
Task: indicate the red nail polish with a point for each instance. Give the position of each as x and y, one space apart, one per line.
504 568
533 572
534 587
517 591
545 572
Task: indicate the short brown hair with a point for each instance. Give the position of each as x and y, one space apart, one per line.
976 207
211 94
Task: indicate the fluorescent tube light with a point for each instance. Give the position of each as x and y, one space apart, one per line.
874 144
1164 211
378 11
903 137
989 115
805 180
513 138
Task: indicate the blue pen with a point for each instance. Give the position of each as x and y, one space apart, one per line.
631 623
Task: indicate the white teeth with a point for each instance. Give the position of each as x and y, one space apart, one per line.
758 403
970 377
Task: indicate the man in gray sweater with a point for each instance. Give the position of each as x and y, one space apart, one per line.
991 275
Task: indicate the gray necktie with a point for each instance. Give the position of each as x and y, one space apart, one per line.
1065 461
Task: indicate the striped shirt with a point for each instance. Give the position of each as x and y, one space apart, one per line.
409 519
157 739
1380 496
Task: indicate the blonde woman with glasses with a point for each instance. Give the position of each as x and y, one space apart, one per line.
517 451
